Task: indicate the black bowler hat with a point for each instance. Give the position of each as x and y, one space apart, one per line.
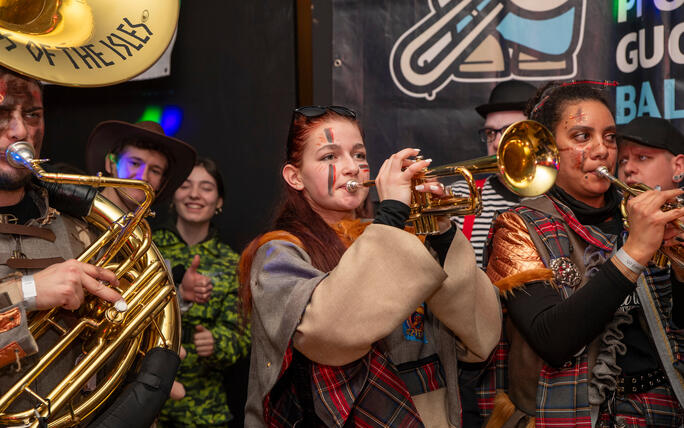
508 95
653 132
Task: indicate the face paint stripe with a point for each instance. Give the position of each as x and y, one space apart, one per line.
364 167
331 179
329 135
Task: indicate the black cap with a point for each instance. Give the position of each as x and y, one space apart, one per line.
508 95
653 132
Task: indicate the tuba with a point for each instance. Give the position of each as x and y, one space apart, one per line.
527 160
664 255
151 320
93 43
85 42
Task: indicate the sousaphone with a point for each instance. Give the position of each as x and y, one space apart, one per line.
93 43
85 42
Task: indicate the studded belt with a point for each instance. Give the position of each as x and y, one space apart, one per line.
641 382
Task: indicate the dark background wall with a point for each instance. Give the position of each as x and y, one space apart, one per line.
233 74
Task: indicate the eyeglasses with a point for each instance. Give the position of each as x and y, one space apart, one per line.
315 111
488 135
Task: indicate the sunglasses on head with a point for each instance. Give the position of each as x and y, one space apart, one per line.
315 111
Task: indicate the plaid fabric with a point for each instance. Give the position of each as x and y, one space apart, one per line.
656 408
563 396
562 393
422 376
366 393
494 378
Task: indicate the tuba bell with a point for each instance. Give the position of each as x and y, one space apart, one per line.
85 42
527 160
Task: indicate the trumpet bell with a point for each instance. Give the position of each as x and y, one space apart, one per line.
527 158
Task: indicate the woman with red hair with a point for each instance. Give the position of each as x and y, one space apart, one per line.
354 322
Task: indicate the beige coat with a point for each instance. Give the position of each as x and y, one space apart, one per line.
381 279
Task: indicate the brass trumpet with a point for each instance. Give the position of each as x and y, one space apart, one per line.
527 160
664 255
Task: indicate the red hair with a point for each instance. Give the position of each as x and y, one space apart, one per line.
296 216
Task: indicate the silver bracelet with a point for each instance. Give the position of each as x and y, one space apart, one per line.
629 262
28 288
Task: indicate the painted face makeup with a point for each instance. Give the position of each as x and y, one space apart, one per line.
331 178
21 119
586 140
326 168
329 135
578 116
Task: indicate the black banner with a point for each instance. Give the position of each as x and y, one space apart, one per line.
415 70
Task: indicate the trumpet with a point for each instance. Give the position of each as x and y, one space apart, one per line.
527 160
664 255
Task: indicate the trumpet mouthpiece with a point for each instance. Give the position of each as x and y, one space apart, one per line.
352 186
603 171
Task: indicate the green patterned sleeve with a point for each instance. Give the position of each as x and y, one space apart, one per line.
231 339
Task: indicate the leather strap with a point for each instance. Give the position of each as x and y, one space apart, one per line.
18 229
21 263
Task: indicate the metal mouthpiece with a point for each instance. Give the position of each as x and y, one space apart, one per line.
19 154
352 186
603 172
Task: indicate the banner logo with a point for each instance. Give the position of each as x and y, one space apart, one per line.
487 41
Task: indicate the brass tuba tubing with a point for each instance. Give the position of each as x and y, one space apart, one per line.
152 318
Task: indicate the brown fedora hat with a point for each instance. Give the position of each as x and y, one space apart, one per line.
108 134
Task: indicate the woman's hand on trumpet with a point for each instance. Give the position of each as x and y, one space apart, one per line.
437 189
394 178
648 224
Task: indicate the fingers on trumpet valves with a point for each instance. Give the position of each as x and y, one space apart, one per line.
433 187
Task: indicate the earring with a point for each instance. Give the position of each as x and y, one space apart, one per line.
218 211
677 178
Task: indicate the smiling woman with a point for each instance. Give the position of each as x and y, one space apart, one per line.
205 270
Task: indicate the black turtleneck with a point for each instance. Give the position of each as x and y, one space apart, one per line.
558 328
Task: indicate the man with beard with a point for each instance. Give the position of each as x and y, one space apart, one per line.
38 244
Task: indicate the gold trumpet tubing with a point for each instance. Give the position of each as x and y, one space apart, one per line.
424 207
635 190
19 387
89 365
481 165
675 254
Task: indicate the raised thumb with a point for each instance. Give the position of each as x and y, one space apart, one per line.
195 262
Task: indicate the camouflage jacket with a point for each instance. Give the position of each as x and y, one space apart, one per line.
205 402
